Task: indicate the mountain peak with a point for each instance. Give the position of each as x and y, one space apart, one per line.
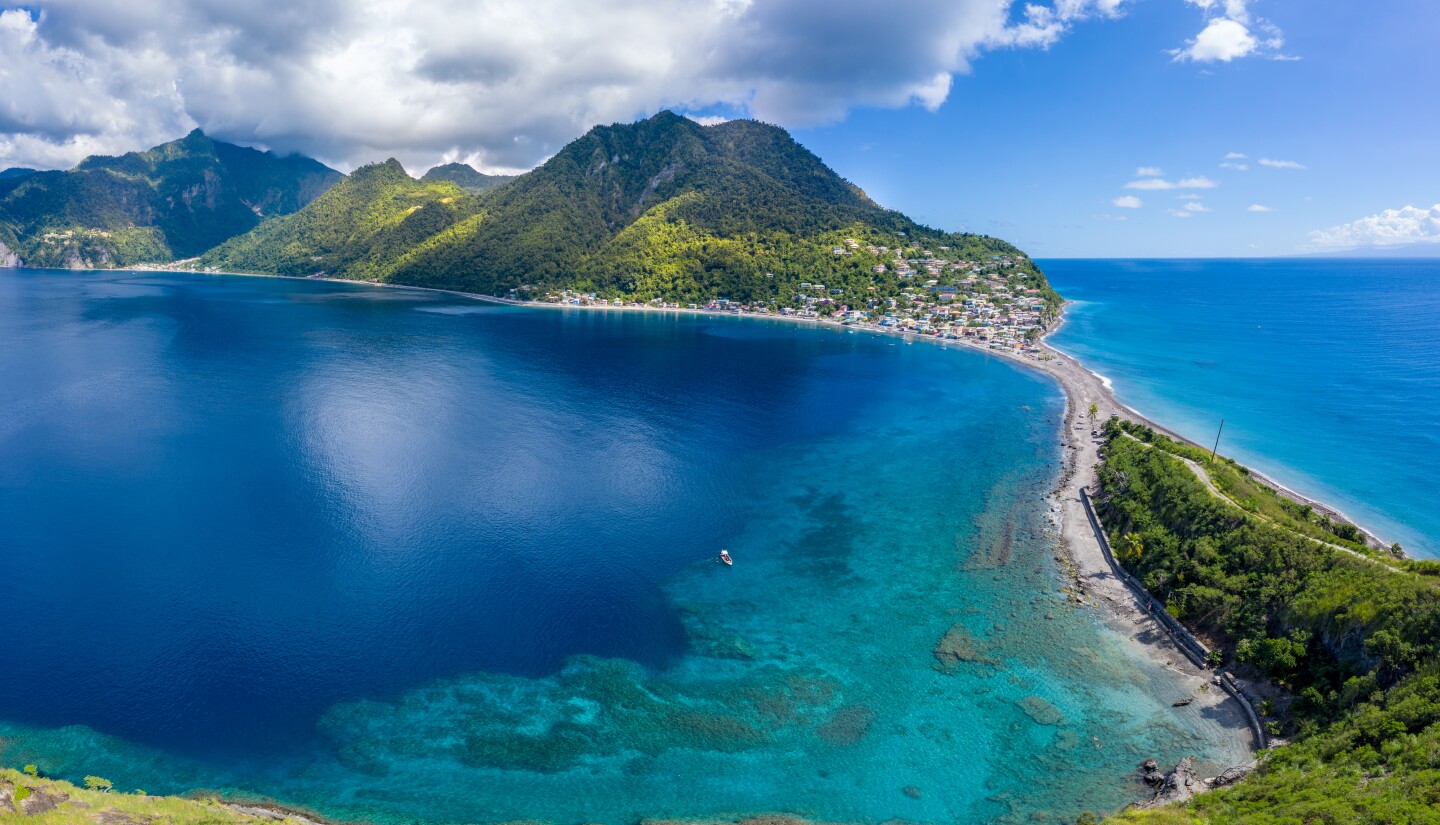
386 170
465 176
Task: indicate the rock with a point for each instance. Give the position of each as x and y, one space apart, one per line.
957 646
1150 773
1179 785
911 791
1183 702
1041 712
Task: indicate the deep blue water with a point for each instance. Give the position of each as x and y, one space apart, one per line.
1327 372
404 557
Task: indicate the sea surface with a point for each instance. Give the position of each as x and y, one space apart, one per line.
1326 372
402 557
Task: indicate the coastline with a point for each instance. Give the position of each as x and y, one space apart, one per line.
1093 582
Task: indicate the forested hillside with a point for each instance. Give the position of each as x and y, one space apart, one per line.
1351 634
465 177
361 228
661 208
176 200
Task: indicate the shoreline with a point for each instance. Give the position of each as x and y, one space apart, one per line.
1082 566
1106 388
1093 582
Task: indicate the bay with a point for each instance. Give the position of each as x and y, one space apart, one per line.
399 556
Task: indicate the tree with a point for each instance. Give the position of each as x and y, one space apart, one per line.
1094 411
96 783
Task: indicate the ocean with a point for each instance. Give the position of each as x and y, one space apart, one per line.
402 557
1326 372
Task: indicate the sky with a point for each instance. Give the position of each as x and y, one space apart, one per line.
1085 128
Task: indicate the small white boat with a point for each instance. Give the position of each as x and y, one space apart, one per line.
725 557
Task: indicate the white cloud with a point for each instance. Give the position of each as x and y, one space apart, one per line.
1150 184
1128 202
1393 227
1148 172
1280 164
1222 39
1235 165
709 120
1188 196
1160 184
1109 217
1196 206
1181 213
1235 156
1231 33
500 84
1256 207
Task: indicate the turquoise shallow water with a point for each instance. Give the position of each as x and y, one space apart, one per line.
1327 372
401 557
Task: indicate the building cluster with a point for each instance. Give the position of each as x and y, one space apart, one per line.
988 302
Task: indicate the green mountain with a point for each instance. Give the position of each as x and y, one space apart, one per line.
361 228
662 208
173 201
465 176
16 172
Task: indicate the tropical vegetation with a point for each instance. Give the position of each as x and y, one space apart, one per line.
173 201
1350 632
662 208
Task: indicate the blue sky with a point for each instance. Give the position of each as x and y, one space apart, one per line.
1071 127
1036 146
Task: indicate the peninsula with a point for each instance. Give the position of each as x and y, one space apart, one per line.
1332 634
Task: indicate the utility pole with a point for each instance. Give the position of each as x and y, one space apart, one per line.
1217 439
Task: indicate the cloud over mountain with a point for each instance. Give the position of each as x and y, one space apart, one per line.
501 84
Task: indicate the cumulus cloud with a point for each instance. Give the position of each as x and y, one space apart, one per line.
1231 32
1181 213
1196 206
1235 156
1148 172
1393 227
1280 164
1257 207
1128 202
500 84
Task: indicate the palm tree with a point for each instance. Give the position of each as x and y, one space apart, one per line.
1094 411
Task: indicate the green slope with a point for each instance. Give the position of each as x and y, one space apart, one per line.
465 177
173 201
662 208
1354 637
358 229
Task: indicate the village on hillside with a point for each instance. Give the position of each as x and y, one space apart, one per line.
991 302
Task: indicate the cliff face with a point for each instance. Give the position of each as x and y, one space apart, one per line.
8 257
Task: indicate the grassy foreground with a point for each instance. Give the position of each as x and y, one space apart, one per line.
38 801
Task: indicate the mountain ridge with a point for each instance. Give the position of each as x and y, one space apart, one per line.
174 200
660 208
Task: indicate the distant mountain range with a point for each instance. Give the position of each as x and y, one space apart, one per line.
174 201
663 207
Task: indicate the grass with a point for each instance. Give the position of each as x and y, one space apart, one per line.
20 794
